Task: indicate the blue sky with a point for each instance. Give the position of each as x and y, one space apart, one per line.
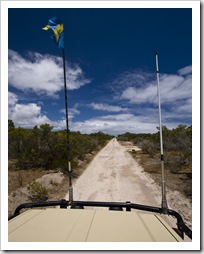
110 60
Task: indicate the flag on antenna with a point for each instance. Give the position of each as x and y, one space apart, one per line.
57 26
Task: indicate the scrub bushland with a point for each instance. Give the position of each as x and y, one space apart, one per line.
177 144
42 147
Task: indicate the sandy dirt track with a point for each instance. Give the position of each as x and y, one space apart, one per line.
114 175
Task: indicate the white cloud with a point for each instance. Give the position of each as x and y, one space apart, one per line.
75 77
29 115
174 89
25 115
118 117
146 120
132 78
139 113
140 95
184 108
12 99
116 124
185 71
42 74
106 107
72 112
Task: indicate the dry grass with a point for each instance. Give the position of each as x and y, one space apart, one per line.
18 181
21 178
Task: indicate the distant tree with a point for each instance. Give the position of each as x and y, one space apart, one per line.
10 124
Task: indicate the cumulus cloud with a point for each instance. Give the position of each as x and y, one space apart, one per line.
139 113
144 121
42 74
174 88
26 115
31 114
106 107
140 95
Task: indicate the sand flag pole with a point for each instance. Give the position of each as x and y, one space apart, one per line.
58 37
164 201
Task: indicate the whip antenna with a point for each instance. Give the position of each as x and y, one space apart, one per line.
164 201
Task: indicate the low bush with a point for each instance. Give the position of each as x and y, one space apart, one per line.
177 144
37 192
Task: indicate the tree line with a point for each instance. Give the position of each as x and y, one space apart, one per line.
42 147
177 145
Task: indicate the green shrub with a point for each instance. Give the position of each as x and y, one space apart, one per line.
42 147
148 147
37 192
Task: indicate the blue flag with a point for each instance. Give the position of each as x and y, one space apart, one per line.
58 28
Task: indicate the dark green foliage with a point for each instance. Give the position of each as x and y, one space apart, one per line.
10 124
41 147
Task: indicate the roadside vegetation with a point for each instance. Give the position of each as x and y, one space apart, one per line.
41 151
177 145
41 147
